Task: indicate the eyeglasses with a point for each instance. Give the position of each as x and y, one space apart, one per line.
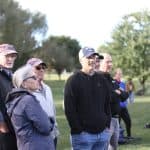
40 67
32 77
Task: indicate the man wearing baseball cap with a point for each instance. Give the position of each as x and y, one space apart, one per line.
8 54
86 101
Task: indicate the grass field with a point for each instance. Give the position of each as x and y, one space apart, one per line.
140 114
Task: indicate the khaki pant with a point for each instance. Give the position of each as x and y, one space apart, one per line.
114 128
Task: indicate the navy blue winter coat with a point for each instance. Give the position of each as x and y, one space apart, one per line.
31 124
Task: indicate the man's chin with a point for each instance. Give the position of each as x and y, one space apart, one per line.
10 66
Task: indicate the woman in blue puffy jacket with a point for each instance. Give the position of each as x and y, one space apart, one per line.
31 124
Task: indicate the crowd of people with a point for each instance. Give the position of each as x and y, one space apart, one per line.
93 100
27 111
94 104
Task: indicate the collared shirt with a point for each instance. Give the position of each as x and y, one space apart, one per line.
45 98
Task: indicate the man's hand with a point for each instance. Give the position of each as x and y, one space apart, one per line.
118 91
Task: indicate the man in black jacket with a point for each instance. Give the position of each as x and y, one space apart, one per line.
117 95
8 55
86 101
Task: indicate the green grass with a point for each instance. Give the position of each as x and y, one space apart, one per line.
57 89
140 114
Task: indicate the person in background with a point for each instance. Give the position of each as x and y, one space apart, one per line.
86 101
130 89
8 55
44 94
124 113
97 63
31 124
117 95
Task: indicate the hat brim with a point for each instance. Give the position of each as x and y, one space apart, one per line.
40 63
6 52
99 56
90 54
44 64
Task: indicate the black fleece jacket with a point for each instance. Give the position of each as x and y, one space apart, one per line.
5 87
115 98
87 103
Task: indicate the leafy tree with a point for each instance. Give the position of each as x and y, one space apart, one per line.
130 46
72 47
20 27
60 53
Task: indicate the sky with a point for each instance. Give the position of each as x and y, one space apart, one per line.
90 22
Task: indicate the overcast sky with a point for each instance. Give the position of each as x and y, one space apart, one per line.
88 21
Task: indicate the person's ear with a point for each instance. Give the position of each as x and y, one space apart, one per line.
24 85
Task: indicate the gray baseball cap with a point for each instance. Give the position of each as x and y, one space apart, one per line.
88 51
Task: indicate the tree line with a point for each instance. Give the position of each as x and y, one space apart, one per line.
129 47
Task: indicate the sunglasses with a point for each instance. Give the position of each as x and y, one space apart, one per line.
40 67
32 77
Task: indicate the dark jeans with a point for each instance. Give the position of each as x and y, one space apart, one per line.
7 142
125 116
